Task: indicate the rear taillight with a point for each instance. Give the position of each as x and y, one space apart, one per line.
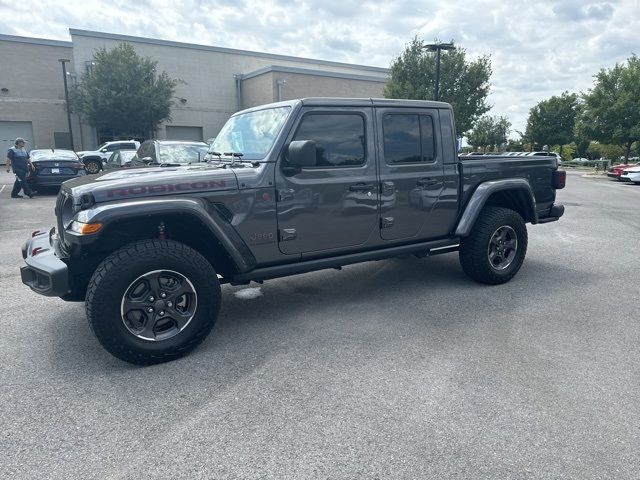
78 166
559 179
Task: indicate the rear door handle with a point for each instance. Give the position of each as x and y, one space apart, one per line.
427 182
362 187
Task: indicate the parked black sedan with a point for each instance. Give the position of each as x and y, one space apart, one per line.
52 167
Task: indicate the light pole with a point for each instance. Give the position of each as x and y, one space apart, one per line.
437 47
64 62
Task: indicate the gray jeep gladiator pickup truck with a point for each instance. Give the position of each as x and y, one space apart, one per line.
288 188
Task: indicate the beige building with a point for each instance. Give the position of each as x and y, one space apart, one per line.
32 92
214 83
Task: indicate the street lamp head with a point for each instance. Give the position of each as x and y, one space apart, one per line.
439 46
63 60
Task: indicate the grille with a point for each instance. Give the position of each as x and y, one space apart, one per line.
64 212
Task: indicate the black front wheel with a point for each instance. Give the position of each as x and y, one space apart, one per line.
153 301
495 249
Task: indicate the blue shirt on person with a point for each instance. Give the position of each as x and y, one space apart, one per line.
19 159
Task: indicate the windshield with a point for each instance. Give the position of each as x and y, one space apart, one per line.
126 156
182 152
53 155
251 134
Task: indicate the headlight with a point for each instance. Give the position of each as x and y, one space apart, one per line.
84 228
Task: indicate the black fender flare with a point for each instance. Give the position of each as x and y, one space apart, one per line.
196 208
483 193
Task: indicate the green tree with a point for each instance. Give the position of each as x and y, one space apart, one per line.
463 84
123 93
611 152
489 132
552 121
515 145
611 112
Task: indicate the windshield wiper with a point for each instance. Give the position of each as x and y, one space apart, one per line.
236 157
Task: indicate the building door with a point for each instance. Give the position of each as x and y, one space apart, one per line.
332 205
193 134
9 131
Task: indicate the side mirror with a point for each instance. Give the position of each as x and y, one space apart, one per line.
302 153
104 150
147 160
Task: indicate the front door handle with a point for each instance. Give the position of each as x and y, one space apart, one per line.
362 187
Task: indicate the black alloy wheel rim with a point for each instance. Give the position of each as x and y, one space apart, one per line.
158 305
503 247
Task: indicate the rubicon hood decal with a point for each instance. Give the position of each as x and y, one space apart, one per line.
145 182
137 190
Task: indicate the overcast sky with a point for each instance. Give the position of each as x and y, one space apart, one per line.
537 48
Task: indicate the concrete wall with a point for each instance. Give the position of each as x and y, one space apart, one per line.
206 94
299 85
206 74
258 90
32 76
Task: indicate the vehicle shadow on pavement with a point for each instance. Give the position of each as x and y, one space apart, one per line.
372 299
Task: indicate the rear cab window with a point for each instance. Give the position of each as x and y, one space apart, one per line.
408 138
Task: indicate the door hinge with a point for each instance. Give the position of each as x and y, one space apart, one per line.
287 234
387 188
286 194
386 222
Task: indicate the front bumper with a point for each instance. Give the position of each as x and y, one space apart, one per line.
44 272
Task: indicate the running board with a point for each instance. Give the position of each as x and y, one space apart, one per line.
265 273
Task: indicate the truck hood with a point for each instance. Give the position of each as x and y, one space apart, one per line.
153 182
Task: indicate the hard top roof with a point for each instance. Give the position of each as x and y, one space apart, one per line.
350 102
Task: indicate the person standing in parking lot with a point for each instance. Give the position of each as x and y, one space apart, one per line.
18 159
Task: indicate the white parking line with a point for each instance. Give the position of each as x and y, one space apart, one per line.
2 189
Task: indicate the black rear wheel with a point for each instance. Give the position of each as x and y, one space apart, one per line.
495 249
153 301
93 165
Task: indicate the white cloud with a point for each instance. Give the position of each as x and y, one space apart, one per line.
538 49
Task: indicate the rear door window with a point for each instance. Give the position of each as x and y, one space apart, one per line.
408 138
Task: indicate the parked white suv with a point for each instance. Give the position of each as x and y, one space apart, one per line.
94 160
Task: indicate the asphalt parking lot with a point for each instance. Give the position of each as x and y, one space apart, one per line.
401 368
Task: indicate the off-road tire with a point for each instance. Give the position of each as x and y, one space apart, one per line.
93 165
474 249
115 275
